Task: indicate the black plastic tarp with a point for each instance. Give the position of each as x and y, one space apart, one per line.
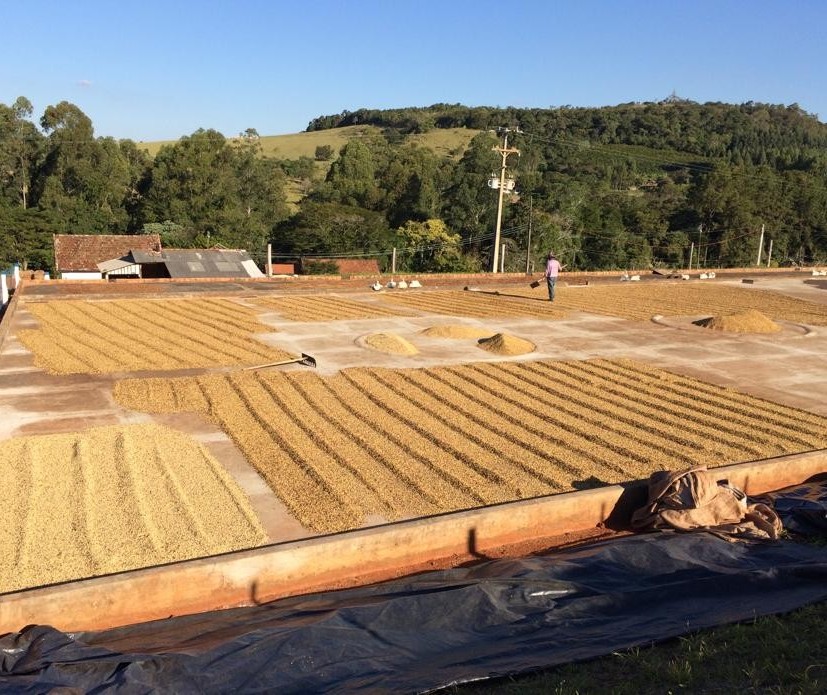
803 508
437 628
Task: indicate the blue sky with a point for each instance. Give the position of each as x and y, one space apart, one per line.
153 70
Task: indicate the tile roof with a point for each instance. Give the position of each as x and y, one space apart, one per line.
83 252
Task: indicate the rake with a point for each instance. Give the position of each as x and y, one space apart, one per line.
309 360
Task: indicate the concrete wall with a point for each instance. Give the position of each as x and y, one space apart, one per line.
81 276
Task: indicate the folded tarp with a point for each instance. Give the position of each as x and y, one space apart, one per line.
437 628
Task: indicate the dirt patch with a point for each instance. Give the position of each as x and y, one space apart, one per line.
92 337
456 332
749 321
111 499
390 343
504 344
403 443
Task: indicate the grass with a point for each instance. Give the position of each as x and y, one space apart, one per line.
291 146
449 142
782 655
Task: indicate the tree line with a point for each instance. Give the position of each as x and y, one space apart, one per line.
629 186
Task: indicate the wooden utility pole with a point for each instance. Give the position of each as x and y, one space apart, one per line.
504 151
528 245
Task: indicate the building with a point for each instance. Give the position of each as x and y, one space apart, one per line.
122 256
77 255
182 263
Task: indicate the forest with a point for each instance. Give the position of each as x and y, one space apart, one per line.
633 186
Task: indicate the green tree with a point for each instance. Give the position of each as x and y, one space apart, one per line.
469 205
20 146
351 179
324 153
331 229
172 235
214 190
26 238
412 180
430 247
191 183
81 179
138 166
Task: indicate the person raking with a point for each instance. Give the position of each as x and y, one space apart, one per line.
553 268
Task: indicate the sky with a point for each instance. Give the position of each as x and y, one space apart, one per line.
151 70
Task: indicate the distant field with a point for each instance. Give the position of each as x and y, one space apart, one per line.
449 142
295 145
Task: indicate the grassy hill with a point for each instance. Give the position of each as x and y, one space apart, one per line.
450 142
446 142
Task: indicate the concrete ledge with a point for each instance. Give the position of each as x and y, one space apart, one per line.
353 558
8 313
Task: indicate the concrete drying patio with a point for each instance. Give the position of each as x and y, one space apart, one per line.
788 367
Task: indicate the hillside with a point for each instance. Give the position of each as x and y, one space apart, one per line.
445 141
749 133
660 184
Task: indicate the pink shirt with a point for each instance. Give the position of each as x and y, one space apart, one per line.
552 268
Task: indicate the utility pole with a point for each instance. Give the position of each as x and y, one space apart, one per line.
760 246
24 187
269 260
698 262
769 254
691 253
502 184
528 246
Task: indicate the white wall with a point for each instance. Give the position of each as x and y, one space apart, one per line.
81 276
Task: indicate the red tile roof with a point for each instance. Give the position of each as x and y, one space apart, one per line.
83 252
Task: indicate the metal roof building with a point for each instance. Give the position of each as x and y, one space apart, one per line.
184 263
